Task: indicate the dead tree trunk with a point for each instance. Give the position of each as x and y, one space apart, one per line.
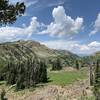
91 74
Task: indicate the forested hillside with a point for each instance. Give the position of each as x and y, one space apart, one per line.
25 49
25 63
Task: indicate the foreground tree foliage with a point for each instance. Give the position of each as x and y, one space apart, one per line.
25 73
10 12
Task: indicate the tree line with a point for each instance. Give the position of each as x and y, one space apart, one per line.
25 73
58 65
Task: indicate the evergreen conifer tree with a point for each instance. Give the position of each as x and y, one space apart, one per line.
77 65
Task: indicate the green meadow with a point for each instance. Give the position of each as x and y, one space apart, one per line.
66 78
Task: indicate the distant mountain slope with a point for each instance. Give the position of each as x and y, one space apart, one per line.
24 49
95 56
92 58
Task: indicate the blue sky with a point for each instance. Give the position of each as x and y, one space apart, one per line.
72 25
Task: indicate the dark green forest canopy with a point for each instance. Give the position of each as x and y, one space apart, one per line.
10 12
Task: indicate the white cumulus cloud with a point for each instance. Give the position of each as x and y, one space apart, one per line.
63 24
15 33
74 46
96 25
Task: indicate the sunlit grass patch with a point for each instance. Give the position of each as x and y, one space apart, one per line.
65 78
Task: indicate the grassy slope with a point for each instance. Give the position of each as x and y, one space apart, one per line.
65 78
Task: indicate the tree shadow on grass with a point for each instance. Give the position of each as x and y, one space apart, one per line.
49 80
44 83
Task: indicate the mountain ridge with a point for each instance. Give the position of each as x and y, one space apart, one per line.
23 49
